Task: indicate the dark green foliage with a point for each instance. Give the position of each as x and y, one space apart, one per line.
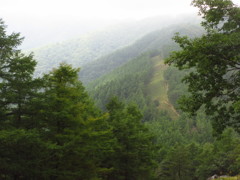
221 157
178 165
50 129
214 59
71 122
192 161
16 72
134 156
22 150
115 84
23 154
185 145
222 16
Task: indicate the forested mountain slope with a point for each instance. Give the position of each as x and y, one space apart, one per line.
160 40
149 83
158 88
187 146
137 73
126 82
146 87
145 80
89 47
50 128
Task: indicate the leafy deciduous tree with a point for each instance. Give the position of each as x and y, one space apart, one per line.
214 61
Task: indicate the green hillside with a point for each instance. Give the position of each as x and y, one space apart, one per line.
160 40
229 178
139 81
154 104
137 73
184 142
126 82
157 88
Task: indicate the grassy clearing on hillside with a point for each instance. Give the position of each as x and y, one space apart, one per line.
158 88
229 178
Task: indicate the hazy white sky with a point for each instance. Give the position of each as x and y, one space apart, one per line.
85 9
58 10
30 16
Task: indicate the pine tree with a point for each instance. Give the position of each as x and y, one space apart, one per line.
22 149
74 125
17 86
135 150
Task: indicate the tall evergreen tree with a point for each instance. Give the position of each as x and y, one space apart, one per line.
17 86
21 149
74 125
134 156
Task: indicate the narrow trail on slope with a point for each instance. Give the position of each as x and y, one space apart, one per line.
158 88
170 105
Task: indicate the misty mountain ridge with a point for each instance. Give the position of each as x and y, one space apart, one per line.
137 73
92 46
159 41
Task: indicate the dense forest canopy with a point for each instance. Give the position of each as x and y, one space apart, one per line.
50 129
139 129
160 40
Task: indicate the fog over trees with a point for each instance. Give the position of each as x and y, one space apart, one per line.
153 97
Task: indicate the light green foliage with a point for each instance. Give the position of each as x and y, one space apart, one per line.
159 41
176 88
229 178
157 88
147 88
221 156
132 81
82 50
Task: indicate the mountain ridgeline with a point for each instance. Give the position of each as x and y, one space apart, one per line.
160 40
86 48
129 72
89 47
